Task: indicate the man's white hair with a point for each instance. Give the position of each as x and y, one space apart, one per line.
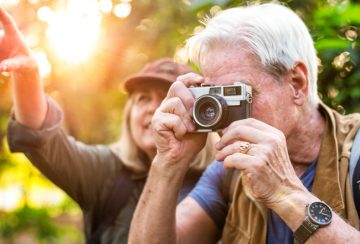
272 32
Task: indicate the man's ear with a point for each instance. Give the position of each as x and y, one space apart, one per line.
299 82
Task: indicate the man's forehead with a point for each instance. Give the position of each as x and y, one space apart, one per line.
228 79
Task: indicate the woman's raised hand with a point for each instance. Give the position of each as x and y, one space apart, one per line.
15 55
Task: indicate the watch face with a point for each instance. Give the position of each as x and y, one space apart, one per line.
320 213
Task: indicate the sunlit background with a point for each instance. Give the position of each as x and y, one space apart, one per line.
69 30
72 28
86 48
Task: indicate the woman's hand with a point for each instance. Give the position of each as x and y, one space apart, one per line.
15 55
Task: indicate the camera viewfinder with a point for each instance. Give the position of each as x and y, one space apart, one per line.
232 91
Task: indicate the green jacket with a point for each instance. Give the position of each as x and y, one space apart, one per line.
246 221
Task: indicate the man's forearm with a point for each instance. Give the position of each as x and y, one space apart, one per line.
337 232
292 211
154 219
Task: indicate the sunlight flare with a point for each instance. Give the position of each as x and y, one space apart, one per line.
73 32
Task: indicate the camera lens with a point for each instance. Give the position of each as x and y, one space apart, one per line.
208 110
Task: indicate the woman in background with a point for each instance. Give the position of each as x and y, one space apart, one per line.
105 180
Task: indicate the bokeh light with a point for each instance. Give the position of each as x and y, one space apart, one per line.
40 196
10 197
351 33
73 32
180 55
33 2
341 60
9 2
106 6
44 64
44 13
122 10
72 27
333 92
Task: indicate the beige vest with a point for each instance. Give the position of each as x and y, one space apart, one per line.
246 221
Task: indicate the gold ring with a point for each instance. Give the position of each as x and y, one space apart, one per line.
244 148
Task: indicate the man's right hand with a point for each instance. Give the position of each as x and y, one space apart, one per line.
15 55
177 147
173 127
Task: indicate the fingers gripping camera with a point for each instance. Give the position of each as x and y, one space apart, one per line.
216 107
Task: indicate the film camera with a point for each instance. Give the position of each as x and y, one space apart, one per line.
217 106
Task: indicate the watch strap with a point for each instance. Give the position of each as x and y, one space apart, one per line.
305 230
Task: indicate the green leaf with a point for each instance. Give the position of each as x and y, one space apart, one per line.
197 5
355 92
331 43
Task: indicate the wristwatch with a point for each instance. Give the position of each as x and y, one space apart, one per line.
317 214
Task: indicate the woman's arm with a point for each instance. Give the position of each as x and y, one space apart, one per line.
16 58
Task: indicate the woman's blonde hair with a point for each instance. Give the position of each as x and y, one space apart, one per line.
136 160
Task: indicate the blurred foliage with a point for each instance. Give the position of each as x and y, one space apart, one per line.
34 215
37 223
27 218
91 95
336 31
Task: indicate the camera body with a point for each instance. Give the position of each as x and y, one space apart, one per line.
216 107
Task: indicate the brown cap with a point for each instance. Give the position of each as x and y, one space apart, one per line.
164 70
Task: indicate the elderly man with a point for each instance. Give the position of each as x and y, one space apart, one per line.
292 154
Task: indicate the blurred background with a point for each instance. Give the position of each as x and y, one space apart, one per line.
86 48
